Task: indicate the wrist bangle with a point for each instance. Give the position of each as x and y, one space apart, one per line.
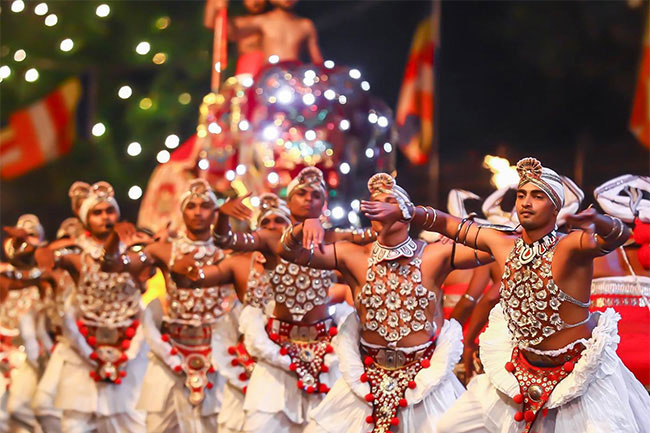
469 297
614 227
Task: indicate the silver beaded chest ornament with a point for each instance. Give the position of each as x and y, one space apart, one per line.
529 297
393 296
258 293
196 305
192 313
108 302
300 288
395 301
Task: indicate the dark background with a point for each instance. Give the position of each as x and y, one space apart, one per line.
551 79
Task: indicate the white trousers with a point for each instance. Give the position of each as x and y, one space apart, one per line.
84 422
180 417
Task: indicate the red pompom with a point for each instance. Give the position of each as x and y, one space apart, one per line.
135 324
211 369
209 385
394 421
403 402
369 397
92 374
165 337
333 331
293 366
363 377
545 411
244 389
323 388
92 340
519 416
130 332
310 390
273 336
284 351
122 373
83 330
641 232
126 344
368 360
94 356
232 350
123 358
118 381
329 349
178 369
529 415
173 351
234 362
568 367
412 384
299 384
324 368
425 363
510 366
243 377
370 419
518 398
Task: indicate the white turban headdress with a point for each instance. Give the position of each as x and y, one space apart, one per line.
84 197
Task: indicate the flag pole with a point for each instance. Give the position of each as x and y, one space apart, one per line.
434 159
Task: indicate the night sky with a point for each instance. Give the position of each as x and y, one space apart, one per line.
553 80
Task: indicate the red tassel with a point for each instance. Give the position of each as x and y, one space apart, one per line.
84 331
329 349
368 360
518 398
122 373
510 366
323 388
211 369
94 356
412 384
299 384
310 390
118 381
130 332
293 366
369 397
243 377
234 362
284 351
178 369
363 377
209 385
135 324
165 337
394 421
173 351
333 331
403 402
324 368
370 419
126 344
232 350
519 416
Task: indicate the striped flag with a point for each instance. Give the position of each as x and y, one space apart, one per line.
640 117
41 132
415 106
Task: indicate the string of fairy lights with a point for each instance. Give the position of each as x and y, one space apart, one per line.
124 92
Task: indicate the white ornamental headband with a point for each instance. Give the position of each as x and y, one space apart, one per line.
32 225
271 204
308 177
531 170
384 183
84 197
198 188
626 197
70 227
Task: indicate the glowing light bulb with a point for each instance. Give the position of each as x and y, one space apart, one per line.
103 10
344 124
20 55
270 133
5 72
66 45
355 73
329 94
370 153
204 164
31 75
125 92
163 156
230 175
310 135
244 125
329 64
41 9
18 6
214 128
388 148
338 212
308 99
344 168
172 141
98 129
51 20
134 149
143 48
241 169
273 178
365 85
135 192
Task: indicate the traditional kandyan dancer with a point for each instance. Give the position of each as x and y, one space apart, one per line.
103 354
246 272
550 365
622 278
397 354
183 388
296 362
20 352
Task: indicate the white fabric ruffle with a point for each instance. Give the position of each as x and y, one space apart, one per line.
599 395
43 402
271 372
344 409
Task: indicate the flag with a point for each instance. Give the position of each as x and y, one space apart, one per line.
415 105
162 198
41 132
640 117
